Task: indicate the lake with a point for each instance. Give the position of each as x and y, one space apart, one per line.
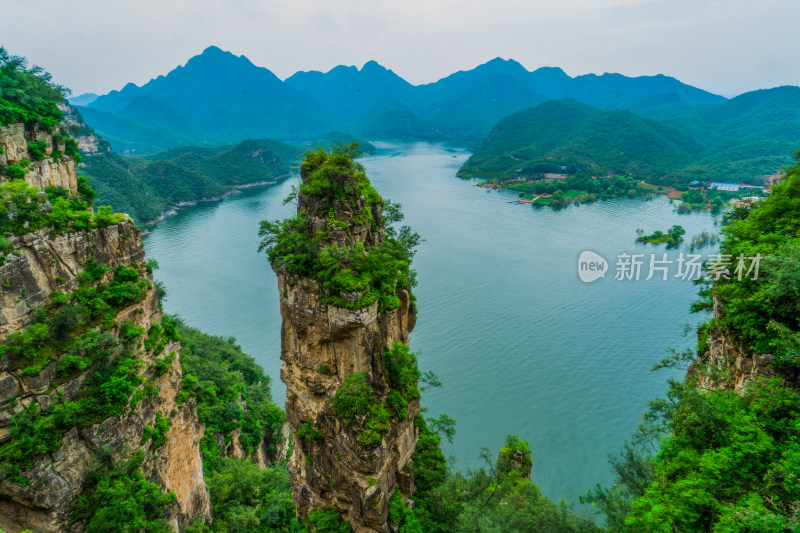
521 344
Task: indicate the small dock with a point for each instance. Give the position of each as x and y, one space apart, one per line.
531 201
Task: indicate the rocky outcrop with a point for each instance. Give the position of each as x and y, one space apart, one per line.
42 264
14 149
728 364
321 344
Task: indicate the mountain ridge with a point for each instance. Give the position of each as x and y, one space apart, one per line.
231 99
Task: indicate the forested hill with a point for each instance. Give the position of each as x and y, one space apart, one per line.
144 187
566 132
736 140
217 97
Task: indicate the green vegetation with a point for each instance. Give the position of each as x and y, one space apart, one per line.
763 312
727 462
403 376
702 198
158 433
741 140
335 138
357 404
119 498
220 377
672 238
309 431
245 498
25 209
28 94
37 149
327 521
350 277
496 497
77 331
570 134
145 187
716 460
580 188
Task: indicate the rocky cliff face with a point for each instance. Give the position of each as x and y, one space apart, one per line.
14 147
321 344
727 364
41 497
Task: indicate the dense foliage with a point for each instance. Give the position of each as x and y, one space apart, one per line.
220 378
119 498
563 133
727 462
763 312
355 276
232 393
742 140
28 94
24 209
578 187
357 404
717 460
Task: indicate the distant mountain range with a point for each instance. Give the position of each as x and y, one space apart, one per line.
218 97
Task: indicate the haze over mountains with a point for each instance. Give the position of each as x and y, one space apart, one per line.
669 131
218 97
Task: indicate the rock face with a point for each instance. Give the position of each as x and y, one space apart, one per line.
14 143
44 263
727 364
321 344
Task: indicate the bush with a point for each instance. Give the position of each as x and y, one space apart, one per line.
357 404
109 504
37 149
16 172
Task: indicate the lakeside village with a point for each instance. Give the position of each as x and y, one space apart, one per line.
563 186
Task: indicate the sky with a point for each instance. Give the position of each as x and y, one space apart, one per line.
724 46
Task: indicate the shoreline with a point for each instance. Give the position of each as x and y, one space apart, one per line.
173 210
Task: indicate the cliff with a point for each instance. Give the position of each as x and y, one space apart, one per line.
727 363
342 343
46 162
90 375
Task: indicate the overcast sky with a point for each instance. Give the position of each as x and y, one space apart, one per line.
724 46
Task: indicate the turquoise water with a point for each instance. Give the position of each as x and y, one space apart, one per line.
521 344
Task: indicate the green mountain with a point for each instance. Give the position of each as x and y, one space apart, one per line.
743 137
736 140
567 132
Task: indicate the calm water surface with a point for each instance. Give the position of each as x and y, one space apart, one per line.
521 344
